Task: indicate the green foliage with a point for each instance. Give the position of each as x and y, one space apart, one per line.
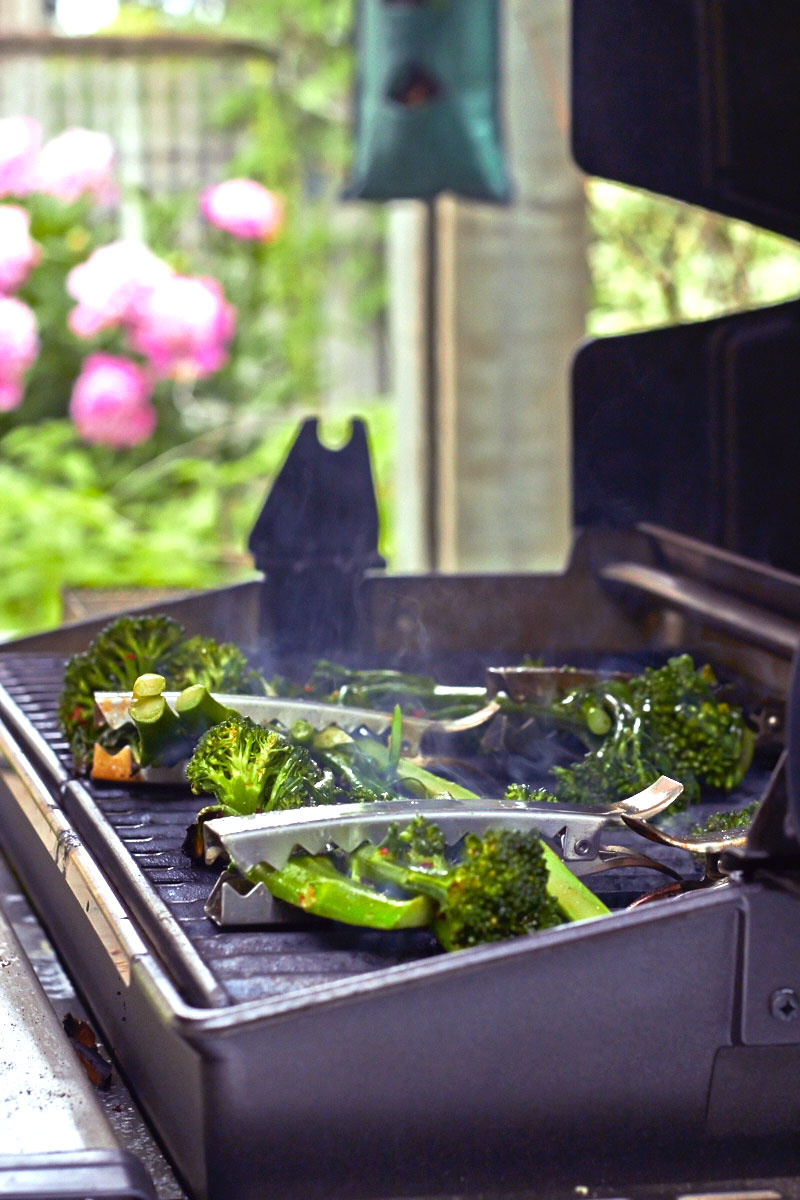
75 516
655 261
177 511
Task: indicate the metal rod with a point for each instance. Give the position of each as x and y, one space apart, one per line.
724 612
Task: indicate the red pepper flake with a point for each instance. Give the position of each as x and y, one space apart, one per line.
382 850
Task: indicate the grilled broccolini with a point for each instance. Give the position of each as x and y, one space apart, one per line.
497 886
132 646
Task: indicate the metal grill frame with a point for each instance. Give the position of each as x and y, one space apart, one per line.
295 1093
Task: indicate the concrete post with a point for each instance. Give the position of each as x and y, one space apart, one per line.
484 431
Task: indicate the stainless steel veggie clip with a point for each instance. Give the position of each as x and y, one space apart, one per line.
272 837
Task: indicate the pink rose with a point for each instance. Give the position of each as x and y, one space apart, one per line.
110 402
244 208
11 393
184 326
18 252
77 162
20 139
19 345
111 285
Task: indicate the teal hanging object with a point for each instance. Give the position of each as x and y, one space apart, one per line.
427 99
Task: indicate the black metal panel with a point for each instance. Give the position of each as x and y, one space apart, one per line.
695 427
316 535
695 99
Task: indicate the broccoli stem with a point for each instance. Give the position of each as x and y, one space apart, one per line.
198 710
159 731
148 685
313 884
432 785
575 901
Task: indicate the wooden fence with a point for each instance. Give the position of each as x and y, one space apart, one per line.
158 98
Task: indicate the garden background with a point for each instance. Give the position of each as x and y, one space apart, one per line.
271 104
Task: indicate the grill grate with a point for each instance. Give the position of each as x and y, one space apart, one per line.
151 823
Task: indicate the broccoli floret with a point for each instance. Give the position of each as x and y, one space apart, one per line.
127 648
218 666
501 885
720 822
421 840
249 769
666 721
495 888
530 795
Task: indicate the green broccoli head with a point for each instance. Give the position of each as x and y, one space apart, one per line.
491 888
497 890
218 666
421 844
249 769
128 647
706 739
530 795
667 721
132 646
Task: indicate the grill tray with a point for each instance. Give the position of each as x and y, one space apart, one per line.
278 1060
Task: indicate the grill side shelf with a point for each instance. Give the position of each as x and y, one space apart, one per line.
194 979
103 910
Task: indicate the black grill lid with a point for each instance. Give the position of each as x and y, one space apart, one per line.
695 99
695 427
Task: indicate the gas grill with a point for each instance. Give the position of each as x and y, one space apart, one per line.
281 1057
310 1060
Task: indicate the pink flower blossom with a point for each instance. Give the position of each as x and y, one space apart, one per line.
18 252
244 208
111 286
77 162
19 345
184 326
11 393
110 402
20 139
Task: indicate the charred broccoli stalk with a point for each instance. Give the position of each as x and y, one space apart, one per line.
417 695
501 885
666 721
166 736
130 647
248 769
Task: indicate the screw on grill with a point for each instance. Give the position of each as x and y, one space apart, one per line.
784 1003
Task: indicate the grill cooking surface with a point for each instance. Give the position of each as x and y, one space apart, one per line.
251 964
151 822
